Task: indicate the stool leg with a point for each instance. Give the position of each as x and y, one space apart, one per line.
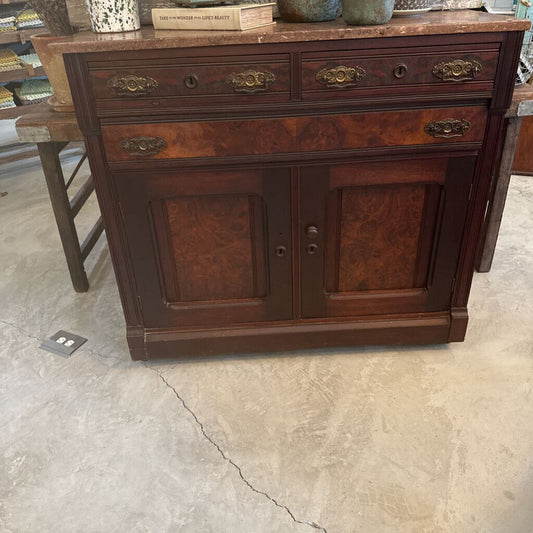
497 202
53 173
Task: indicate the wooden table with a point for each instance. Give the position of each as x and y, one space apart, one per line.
521 106
52 131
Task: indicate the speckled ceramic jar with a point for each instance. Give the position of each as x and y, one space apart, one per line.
363 12
113 15
309 10
407 8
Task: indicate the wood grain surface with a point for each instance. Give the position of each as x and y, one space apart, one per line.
294 134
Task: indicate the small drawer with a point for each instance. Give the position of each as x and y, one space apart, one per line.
439 72
290 135
234 80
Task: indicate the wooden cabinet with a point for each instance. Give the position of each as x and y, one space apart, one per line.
285 196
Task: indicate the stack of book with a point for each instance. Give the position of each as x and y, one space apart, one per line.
224 17
33 91
28 19
9 60
6 98
31 59
7 18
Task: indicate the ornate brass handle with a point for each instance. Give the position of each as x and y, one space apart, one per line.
132 85
250 81
447 128
340 76
143 145
457 70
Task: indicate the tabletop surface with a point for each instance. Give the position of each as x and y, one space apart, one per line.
433 23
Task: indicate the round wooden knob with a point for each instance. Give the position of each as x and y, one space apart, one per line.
311 232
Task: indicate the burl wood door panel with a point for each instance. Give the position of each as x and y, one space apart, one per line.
388 237
320 133
209 247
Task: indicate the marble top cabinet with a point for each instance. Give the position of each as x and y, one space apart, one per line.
298 187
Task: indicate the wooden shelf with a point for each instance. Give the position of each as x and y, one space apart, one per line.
14 75
15 112
21 36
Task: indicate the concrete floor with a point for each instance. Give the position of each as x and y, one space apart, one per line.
436 439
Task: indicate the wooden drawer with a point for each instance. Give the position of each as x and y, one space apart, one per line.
195 80
289 135
334 75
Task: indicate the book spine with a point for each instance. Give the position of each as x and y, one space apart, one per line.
196 19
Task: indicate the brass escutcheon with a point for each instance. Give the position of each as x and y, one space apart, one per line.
143 145
132 85
457 70
341 76
250 81
447 128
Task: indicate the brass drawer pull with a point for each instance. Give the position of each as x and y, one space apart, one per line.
250 81
457 70
447 128
143 145
340 76
132 85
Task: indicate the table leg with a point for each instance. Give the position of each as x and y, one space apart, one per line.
497 202
53 173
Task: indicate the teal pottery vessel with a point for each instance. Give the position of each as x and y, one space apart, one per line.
362 12
309 10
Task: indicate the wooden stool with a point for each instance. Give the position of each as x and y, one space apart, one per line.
51 132
521 106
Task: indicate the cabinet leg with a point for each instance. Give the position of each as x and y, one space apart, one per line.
459 322
53 173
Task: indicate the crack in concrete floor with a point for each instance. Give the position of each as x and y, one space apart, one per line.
200 425
230 461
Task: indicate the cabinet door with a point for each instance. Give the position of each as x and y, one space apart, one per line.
382 237
209 247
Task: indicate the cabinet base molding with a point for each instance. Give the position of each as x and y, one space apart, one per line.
146 344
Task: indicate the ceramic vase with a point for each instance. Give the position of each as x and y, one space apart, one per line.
363 12
54 14
309 10
55 70
109 16
409 8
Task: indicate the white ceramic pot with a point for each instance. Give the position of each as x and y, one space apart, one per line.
113 15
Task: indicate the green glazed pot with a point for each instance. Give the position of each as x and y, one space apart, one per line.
362 12
309 10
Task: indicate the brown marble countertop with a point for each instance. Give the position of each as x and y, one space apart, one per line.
433 23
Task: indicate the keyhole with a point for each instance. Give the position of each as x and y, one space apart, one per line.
311 248
191 81
400 71
281 251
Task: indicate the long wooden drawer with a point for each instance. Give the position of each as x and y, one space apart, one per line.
317 133
233 80
335 74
